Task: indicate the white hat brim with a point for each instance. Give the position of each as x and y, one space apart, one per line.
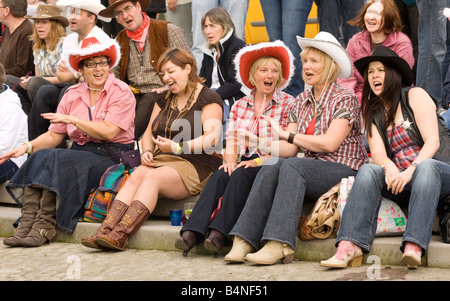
93 6
333 49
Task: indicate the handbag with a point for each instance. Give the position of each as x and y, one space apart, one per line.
443 213
391 219
100 198
324 219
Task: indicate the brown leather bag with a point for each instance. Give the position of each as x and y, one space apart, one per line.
324 220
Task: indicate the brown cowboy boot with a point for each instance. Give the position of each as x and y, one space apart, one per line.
132 220
30 206
44 228
114 215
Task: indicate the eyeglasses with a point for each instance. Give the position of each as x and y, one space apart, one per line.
127 9
94 64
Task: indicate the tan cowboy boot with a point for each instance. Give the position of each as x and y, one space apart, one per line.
114 215
272 252
239 250
131 221
30 206
44 228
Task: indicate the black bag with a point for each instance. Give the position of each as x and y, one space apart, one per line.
443 213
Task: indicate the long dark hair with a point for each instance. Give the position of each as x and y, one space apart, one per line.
387 101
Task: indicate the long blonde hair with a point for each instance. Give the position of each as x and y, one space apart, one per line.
56 33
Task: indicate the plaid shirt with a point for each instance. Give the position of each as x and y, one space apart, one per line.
404 150
243 116
337 102
145 77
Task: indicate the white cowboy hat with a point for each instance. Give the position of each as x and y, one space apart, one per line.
327 43
93 6
249 54
92 47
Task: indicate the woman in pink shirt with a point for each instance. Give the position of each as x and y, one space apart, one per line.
381 25
96 112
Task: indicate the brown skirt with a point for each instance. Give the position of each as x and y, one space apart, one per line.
187 171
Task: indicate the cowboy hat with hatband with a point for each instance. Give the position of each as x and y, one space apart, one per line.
93 47
92 6
387 57
109 11
327 43
249 54
46 11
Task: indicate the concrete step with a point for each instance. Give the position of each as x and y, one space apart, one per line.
158 234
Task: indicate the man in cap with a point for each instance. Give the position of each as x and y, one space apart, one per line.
16 36
82 15
142 41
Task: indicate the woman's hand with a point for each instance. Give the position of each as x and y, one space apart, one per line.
396 180
165 145
15 153
228 167
159 90
24 82
147 159
275 129
247 164
243 137
172 5
59 118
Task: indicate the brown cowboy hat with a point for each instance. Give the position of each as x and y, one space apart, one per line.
109 11
52 12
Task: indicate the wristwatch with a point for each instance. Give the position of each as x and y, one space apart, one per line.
290 138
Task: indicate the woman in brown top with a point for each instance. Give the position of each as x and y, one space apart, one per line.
178 151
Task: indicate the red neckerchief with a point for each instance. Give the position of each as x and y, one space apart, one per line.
140 35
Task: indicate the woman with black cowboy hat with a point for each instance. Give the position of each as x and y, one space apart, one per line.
327 126
401 171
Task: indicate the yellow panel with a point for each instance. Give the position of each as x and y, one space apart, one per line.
255 30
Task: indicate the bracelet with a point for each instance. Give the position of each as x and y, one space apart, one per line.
76 120
258 161
384 163
30 147
178 150
290 139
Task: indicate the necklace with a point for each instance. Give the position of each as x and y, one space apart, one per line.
172 105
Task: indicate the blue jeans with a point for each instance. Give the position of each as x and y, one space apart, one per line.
432 36
237 9
7 171
430 182
286 19
446 117
275 202
333 13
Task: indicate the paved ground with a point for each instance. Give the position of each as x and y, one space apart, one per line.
62 261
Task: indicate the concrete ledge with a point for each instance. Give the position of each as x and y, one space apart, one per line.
158 234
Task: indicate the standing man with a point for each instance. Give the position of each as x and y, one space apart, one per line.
141 42
82 15
16 37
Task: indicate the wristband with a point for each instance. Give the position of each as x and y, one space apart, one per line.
30 147
384 163
258 161
178 150
76 120
290 139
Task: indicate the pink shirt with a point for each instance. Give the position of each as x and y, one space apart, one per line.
115 104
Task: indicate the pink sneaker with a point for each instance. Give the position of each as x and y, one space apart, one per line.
412 255
346 252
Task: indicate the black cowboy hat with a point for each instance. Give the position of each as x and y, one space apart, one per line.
388 57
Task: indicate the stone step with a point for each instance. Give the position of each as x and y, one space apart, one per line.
158 234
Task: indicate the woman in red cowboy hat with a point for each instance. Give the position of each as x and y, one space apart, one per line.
326 125
403 168
100 109
265 69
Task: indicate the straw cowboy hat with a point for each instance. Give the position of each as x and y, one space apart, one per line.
327 43
387 57
92 6
249 54
109 11
46 11
93 47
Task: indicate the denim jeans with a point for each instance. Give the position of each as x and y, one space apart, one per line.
432 36
286 19
274 205
7 170
430 182
333 13
446 117
237 9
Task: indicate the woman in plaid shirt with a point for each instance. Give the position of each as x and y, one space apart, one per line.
327 126
266 69
402 171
